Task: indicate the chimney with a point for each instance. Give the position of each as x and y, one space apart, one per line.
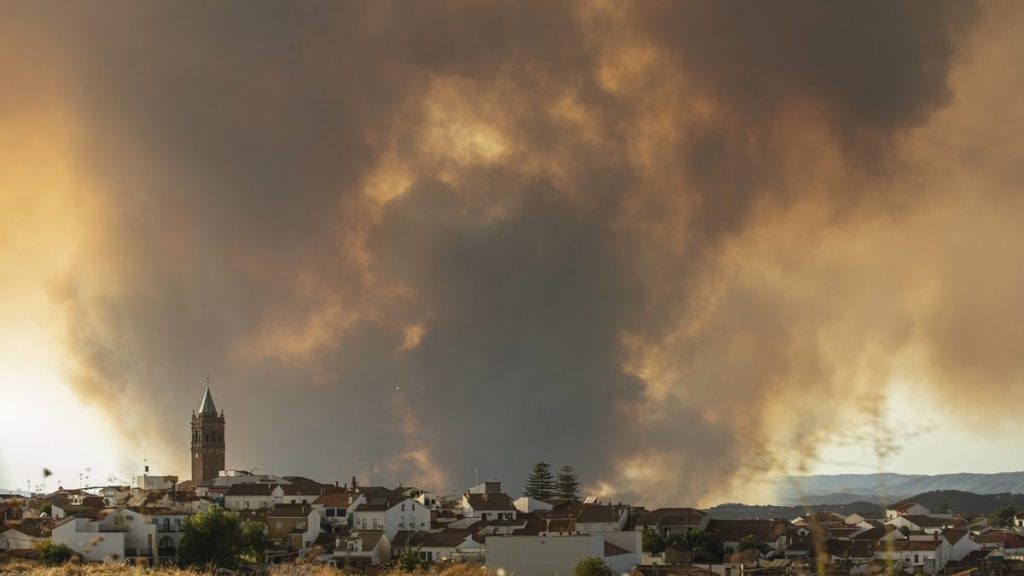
355 485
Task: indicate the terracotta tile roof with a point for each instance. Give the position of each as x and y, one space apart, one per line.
250 489
34 527
370 538
735 530
285 511
928 521
672 517
954 535
876 533
594 513
916 545
496 502
450 538
333 500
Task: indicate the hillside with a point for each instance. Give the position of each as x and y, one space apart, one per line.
889 487
960 502
736 511
957 501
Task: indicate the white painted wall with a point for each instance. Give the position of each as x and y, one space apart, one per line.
406 515
549 555
526 504
84 537
14 540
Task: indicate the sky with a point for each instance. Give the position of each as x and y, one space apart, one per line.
680 246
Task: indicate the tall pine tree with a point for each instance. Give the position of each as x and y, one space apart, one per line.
540 484
568 485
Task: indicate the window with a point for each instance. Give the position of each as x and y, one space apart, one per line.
246 504
403 507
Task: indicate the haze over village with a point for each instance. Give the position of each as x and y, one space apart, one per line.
541 287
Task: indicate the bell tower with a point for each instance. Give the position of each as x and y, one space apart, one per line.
207 440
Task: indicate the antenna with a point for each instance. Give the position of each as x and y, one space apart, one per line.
476 472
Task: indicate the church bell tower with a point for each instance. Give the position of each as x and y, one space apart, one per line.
207 440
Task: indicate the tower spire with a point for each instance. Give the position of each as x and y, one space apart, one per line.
207 406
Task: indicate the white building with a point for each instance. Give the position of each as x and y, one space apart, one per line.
929 554
526 504
488 506
253 496
389 512
25 534
554 555
95 540
365 547
598 518
150 482
904 509
152 533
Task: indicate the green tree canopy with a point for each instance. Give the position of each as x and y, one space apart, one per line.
540 484
55 553
221 538
652 542
705 546
1003 516
568 485
412 559
593 566
751 542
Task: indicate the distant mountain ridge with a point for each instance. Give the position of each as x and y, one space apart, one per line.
890 487
940 501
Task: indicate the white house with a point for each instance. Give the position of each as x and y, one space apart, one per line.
596 518
527 504
673 521
24 534
448 544
927 524
554 555
253 496
488 506
333 508
154 533
95 540
904 509
390 512
928 555
960 542
365 547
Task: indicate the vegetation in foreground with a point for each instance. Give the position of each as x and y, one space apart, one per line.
38 568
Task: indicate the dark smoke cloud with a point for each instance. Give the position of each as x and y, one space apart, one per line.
435 237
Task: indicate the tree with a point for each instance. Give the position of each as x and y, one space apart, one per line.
704 546
1003 516
568 485
540 484
652 541
254 541
751 542
593 566
220 538
55 553
412 559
